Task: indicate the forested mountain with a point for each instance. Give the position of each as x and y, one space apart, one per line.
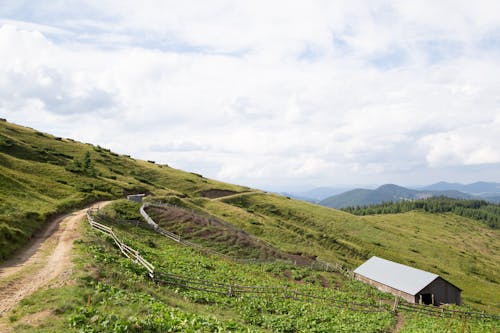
386 193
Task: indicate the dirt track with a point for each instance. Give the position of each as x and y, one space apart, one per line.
47 262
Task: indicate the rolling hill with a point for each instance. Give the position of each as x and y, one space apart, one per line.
42 176
386 193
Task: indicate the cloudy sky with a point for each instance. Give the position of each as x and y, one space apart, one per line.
271 94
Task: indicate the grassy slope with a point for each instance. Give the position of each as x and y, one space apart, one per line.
106 282
110 293
462 250
34 182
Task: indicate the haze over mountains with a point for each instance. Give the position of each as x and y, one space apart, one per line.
332 197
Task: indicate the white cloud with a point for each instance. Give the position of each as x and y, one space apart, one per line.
264 93
470 145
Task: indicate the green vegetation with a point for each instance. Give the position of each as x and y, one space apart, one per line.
463 251
113 294
424 323
215 234
42 175
475 209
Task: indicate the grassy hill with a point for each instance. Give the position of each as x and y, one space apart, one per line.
41 175
110 293
479 210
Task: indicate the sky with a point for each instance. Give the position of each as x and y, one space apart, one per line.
280 95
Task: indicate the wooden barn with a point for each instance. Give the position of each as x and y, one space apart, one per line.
414 285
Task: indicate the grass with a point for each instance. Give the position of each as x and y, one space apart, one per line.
106 282
112 294
41 175
464 251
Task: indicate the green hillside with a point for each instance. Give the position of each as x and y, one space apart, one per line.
479 210
41 175
112 294
464 251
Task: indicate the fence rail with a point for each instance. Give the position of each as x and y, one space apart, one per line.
127 251
318 264
231 290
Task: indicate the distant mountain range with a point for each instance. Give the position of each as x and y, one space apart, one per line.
482 189
384 193
339 197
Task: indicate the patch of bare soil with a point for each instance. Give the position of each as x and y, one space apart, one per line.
220 235
47 262
217 193
400 323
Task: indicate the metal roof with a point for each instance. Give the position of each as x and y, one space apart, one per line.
401 277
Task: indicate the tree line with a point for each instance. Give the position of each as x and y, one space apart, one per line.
480 210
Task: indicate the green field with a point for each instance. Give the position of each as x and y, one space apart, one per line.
464 251
41 175
111 293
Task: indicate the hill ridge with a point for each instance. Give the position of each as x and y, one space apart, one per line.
386 193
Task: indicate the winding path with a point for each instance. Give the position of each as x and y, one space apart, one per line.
45 263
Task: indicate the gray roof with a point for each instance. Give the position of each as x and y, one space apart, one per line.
401 277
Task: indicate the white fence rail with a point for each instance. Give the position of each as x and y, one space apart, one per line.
127 251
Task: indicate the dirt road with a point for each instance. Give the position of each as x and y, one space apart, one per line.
47 262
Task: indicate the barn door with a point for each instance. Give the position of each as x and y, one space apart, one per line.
427 298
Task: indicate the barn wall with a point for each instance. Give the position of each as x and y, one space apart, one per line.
444 292
384 288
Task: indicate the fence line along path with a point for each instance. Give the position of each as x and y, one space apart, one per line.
231 290
318 264
127 251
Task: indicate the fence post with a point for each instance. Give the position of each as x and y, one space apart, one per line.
395 306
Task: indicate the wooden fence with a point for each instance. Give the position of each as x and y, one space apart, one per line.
444 312
232 290
318 264
124 248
